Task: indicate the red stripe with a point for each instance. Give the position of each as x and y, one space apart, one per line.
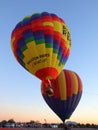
79 83
48 29
55 18
11 128
57 36
69 83
49 71
36 21
26 27
37 28
47 18
62 20
63 44
56 89
68 52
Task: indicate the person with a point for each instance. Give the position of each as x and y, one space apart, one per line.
49 91
66 127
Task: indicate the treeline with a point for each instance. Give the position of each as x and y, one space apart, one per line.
32 124
12 123
79 125
87 125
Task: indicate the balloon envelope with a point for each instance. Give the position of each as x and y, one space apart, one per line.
67 93
41 44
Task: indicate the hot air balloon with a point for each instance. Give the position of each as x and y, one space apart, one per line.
67 94
41 44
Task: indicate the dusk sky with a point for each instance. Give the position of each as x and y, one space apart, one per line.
20 95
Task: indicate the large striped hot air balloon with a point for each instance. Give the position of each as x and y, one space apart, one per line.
41 44
67 94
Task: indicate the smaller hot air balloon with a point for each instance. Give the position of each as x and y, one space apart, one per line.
41 44
67 93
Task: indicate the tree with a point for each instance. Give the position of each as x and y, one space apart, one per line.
3 123
11 121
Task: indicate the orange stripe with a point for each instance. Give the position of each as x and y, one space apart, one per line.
74 82
62 86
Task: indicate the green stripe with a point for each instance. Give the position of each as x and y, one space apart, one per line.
21 56
55 50
49 45
40 41
23 48
58 57
29 39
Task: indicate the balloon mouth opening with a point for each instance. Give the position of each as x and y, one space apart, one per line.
47 73
49 91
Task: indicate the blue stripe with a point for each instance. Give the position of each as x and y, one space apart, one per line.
35 16
26 21
45 14
48 38
63 108
38 35
27 34
21 43
18 25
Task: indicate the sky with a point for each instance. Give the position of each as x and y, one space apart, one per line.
20 95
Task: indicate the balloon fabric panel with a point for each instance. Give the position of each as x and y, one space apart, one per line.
62 86
41 44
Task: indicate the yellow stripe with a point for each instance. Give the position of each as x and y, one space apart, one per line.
57 26
48 24
42 91
49 61
27 17
75 82
12 42
62 86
